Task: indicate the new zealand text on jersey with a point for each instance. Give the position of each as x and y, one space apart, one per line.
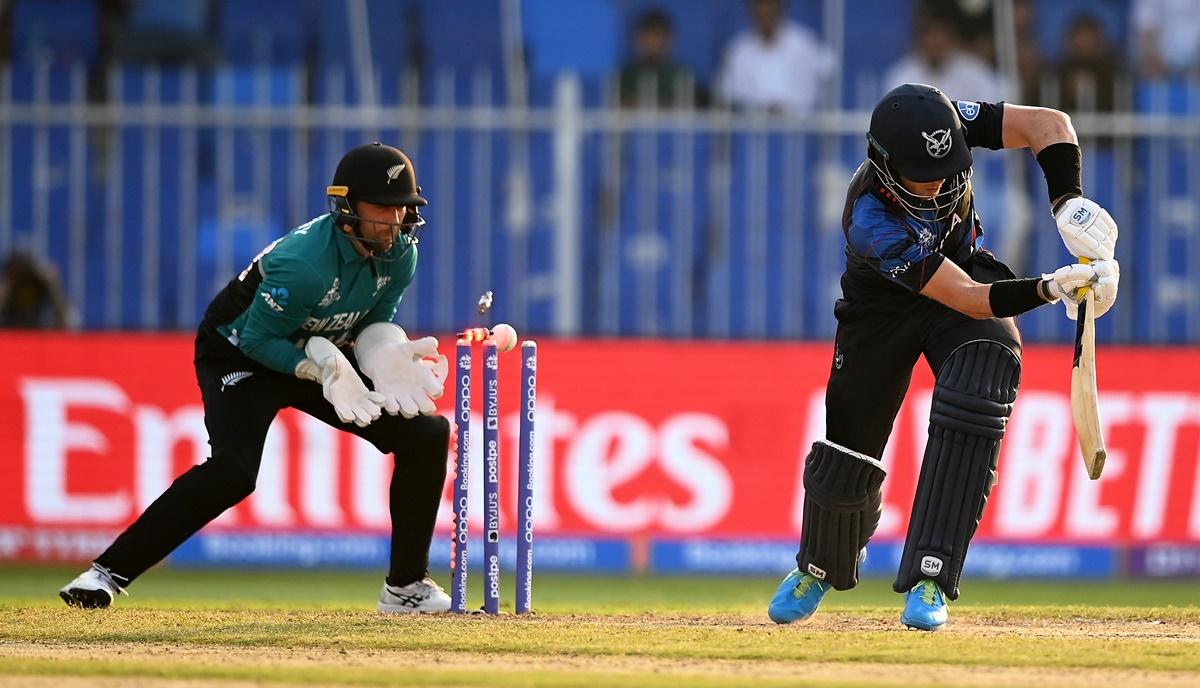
333 323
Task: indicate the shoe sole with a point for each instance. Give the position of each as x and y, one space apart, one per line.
913 626
784 621
85 599
396 609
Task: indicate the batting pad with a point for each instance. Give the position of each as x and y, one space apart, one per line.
972 401
842 505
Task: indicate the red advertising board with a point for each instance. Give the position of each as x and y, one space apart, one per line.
634 438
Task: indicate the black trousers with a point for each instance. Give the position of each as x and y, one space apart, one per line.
238 409
878 343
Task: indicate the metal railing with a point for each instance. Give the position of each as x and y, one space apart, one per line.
583 217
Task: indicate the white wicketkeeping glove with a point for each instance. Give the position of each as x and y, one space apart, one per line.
1102 276
1087 229
343 388
405 373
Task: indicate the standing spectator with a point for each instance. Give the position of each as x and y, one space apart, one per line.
651 78
30 296
778 65
971 20
1167 35
938 59
1089 68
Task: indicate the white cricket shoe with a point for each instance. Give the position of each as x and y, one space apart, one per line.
92 589
423 596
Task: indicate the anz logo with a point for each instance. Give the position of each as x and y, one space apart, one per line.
276 298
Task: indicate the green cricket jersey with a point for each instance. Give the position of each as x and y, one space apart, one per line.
309 282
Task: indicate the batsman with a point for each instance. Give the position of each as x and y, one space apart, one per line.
918 283
308 325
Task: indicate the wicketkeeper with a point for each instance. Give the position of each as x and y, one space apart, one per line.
308 325
917 283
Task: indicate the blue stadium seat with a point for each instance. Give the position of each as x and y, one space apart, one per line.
395 39
272 31
463 35
55 83
867 54
1167 96
579 36
59 31
167 32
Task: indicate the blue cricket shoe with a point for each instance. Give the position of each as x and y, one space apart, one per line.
797 598
924 607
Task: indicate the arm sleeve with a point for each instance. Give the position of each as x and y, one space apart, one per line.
889 248
289 290
984 123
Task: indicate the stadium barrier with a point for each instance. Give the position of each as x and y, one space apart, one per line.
681 457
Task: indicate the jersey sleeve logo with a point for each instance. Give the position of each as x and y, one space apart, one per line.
925 237
276 298
968 110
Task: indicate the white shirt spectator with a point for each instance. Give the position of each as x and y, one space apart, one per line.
961 76
785 74
1175 26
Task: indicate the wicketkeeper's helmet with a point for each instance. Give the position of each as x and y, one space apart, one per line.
383 175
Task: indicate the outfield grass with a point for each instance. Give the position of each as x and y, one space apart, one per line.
318 628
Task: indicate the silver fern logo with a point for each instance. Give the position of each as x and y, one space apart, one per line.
231 379
333 294
394 171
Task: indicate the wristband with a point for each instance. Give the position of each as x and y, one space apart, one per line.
1016 296
1062 163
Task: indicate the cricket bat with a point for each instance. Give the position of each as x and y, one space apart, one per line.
1085 408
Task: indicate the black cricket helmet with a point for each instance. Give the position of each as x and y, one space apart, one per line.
915 132
383 175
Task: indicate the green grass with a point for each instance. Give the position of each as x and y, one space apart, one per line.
574 594
310 628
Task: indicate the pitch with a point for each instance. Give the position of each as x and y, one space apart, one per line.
187 628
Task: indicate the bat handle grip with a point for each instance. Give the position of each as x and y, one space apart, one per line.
1083 290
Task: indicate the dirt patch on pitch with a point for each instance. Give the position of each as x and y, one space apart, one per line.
962 623
380 667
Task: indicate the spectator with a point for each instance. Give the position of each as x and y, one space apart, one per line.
939 60
651 78
1089 68
30 296
1167 35
971 20
778 65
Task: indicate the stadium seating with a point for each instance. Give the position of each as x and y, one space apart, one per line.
263 31
61 32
